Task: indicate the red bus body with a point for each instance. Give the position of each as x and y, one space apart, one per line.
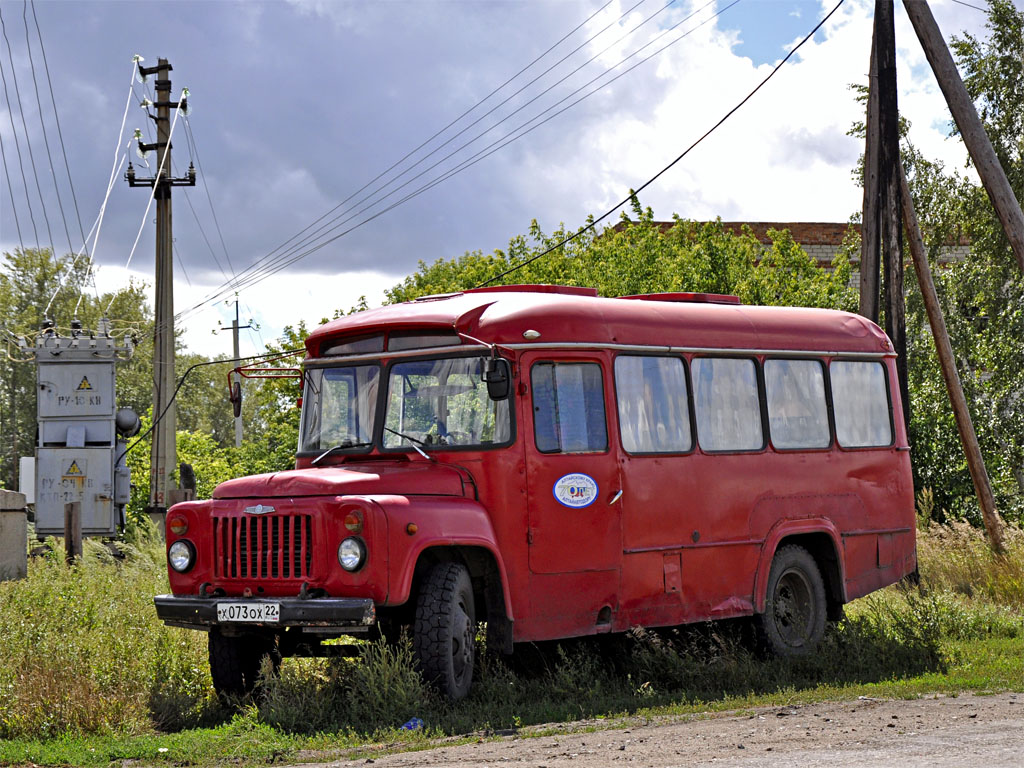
658 538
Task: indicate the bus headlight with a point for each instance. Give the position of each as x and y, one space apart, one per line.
181 555
352 554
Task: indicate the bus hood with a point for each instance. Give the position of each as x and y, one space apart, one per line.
399 478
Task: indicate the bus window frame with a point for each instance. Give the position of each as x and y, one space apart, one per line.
761 404
888 396
600 363
691 414
384 390
830 413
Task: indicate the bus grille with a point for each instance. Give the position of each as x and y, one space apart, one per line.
263 547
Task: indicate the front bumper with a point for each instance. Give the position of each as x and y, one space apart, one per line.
193 612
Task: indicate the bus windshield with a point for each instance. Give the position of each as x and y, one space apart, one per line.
339 407
443 402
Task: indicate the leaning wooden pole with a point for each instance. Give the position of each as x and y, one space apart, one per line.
870 253
993 525
969 124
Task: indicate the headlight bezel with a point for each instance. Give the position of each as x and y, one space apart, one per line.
356 548
189 555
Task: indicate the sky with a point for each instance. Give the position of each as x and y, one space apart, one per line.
307 108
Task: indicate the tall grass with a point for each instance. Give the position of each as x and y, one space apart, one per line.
81 652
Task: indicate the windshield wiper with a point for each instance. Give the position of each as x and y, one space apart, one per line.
416 443
338 447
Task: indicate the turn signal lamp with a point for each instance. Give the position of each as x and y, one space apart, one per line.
354 522
178 525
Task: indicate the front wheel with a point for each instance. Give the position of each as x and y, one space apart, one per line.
445 629
793 621
235 662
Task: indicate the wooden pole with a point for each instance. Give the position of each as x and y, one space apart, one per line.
993 525
969 124
889 216
72 531
869 249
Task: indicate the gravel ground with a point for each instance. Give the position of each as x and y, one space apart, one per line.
934 732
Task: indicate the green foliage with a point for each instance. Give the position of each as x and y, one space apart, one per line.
982 296
28 281
641 256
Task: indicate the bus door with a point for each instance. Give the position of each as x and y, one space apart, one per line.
661 488
575 543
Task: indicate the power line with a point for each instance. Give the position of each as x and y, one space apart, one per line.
56 118
438 133
335 221
28 141
685 152
209 198
10 189
975 7
42 125
17 146
264 268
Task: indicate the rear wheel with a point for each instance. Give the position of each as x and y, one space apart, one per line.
445 629
235 662
793 621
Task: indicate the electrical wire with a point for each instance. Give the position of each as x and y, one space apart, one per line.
968 5
56 117
42 125
17 146
262 270
209 198
115 168
174 395
642 187
28 141
152 191
337 224
438 133
10 190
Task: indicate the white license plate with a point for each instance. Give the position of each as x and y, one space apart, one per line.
249 612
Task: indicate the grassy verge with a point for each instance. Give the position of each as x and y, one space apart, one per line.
87 676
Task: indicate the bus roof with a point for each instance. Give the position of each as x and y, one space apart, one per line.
567 315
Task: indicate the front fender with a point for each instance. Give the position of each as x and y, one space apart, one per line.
437 522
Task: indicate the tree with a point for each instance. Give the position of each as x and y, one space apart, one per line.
640 255
30 281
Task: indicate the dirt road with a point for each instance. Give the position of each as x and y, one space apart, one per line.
935 732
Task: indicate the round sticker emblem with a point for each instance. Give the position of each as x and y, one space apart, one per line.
576 490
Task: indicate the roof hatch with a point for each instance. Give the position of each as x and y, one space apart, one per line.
691 298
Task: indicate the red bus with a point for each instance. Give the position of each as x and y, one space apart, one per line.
556 464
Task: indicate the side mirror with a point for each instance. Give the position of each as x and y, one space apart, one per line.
236 398
498 375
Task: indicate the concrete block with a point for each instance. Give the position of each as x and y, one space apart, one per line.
13 536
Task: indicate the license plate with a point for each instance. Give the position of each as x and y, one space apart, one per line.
249 612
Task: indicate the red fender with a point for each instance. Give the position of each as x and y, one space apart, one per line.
777 533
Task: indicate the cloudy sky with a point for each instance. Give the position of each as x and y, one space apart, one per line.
312 107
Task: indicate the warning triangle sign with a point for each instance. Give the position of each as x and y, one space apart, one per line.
84 384
73 469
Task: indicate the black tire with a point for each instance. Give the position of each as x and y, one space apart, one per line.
235 662
444 634
793 621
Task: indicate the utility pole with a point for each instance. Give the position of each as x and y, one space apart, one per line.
163 456
967 121
235 328
968 437
882 226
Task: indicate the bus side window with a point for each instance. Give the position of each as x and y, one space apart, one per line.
568 408
797 411
860 401
727 404
652 396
